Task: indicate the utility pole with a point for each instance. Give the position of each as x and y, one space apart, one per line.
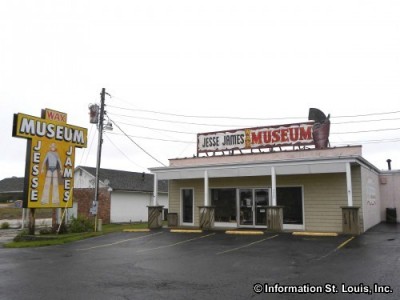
100 142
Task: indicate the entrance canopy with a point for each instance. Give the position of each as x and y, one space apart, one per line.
332 160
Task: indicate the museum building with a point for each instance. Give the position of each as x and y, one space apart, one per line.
284 177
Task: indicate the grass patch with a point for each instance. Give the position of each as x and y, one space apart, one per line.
25 241
119 227
16 213
51 240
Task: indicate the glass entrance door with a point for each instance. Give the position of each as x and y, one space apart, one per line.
291 198
261 201
246 205
252 207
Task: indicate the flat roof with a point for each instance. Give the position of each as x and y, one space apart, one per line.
332 160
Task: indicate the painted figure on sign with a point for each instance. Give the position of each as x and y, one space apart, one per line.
53 165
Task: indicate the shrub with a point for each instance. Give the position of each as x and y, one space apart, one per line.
5 225
60 229
20 236
81 224
45 230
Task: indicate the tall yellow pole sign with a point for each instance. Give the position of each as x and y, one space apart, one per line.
49 171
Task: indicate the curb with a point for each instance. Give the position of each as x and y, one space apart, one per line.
136 230
186 230
308 233
245 232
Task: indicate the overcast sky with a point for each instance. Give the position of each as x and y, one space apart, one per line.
240 59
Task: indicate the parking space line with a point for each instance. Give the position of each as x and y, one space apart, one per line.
248 245
337 248
119 242
345 243
175 244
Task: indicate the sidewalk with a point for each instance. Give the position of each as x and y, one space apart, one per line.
7 235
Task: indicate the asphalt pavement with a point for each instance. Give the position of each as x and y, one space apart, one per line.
208 265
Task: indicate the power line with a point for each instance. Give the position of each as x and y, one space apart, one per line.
369 141
191 142
137 144
370 114
91 144
364 131
365 121
255 119
115 146
191 133
154 139
175 122
242 118
199 116
84 149
158 129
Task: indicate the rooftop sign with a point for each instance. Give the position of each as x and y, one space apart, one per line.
50 157
297 134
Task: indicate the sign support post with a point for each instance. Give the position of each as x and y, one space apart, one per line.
31 222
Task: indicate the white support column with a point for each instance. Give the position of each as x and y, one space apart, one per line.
155 190
206 198
273 181
349 187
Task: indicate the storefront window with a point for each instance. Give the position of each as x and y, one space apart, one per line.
224 201
291 200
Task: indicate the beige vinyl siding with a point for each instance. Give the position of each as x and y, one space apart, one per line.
323 195
175 187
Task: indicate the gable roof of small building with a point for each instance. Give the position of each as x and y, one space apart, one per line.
127 181
12 184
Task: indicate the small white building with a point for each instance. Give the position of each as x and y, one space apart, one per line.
130 192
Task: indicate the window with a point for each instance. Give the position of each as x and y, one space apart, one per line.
187 205
292 201
224 201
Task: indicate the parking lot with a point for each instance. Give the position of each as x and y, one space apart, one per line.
207 265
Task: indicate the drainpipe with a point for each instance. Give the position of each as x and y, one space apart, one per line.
349 186
206 198
273 181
